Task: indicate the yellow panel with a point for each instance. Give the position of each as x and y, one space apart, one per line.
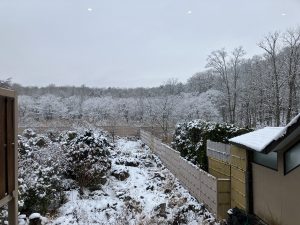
237 200
238 151
238 185
238 158
223 198
218 168
224 186
238 174
222 211
238 162
238 177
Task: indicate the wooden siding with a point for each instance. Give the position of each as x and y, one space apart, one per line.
3 189
238 177
7 147
10 145
223 198
8 154
219 168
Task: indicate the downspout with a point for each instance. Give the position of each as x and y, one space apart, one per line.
249 183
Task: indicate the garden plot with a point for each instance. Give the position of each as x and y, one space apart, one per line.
138 190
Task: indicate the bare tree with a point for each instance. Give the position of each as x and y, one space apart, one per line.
270 45
161 112
172 87
201 82
236 61
292 40
228 68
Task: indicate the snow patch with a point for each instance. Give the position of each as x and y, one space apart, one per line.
34 216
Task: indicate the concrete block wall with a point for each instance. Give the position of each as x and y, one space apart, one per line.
202 185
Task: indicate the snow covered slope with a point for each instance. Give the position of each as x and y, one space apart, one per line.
140 190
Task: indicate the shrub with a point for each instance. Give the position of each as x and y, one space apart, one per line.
87 160
190 138
40 175
42 192
49 167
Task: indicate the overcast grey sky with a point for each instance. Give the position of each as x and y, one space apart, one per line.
128 43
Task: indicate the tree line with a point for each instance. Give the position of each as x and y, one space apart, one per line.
257 91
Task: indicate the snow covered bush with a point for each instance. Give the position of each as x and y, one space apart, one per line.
53 163
190 138
87 159
40 174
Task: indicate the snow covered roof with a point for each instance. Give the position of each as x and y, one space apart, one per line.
266 139
259 139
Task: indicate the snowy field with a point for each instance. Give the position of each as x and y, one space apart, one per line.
139 190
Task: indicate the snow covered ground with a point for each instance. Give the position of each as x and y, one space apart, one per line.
139 190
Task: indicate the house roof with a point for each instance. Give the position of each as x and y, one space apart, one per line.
268 139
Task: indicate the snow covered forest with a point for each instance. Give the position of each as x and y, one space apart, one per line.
249 92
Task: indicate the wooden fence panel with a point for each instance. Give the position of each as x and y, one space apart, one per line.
238 177
218 168
10 145
224 195
2 149
8 154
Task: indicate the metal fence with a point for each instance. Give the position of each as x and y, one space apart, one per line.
213 192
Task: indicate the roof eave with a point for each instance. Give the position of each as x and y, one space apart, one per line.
243 146
272 145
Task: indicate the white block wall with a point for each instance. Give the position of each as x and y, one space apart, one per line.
200 184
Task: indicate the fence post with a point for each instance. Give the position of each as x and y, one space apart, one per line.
9 155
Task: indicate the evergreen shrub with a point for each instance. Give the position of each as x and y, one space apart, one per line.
190 138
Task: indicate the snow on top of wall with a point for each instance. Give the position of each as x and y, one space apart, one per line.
258 140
